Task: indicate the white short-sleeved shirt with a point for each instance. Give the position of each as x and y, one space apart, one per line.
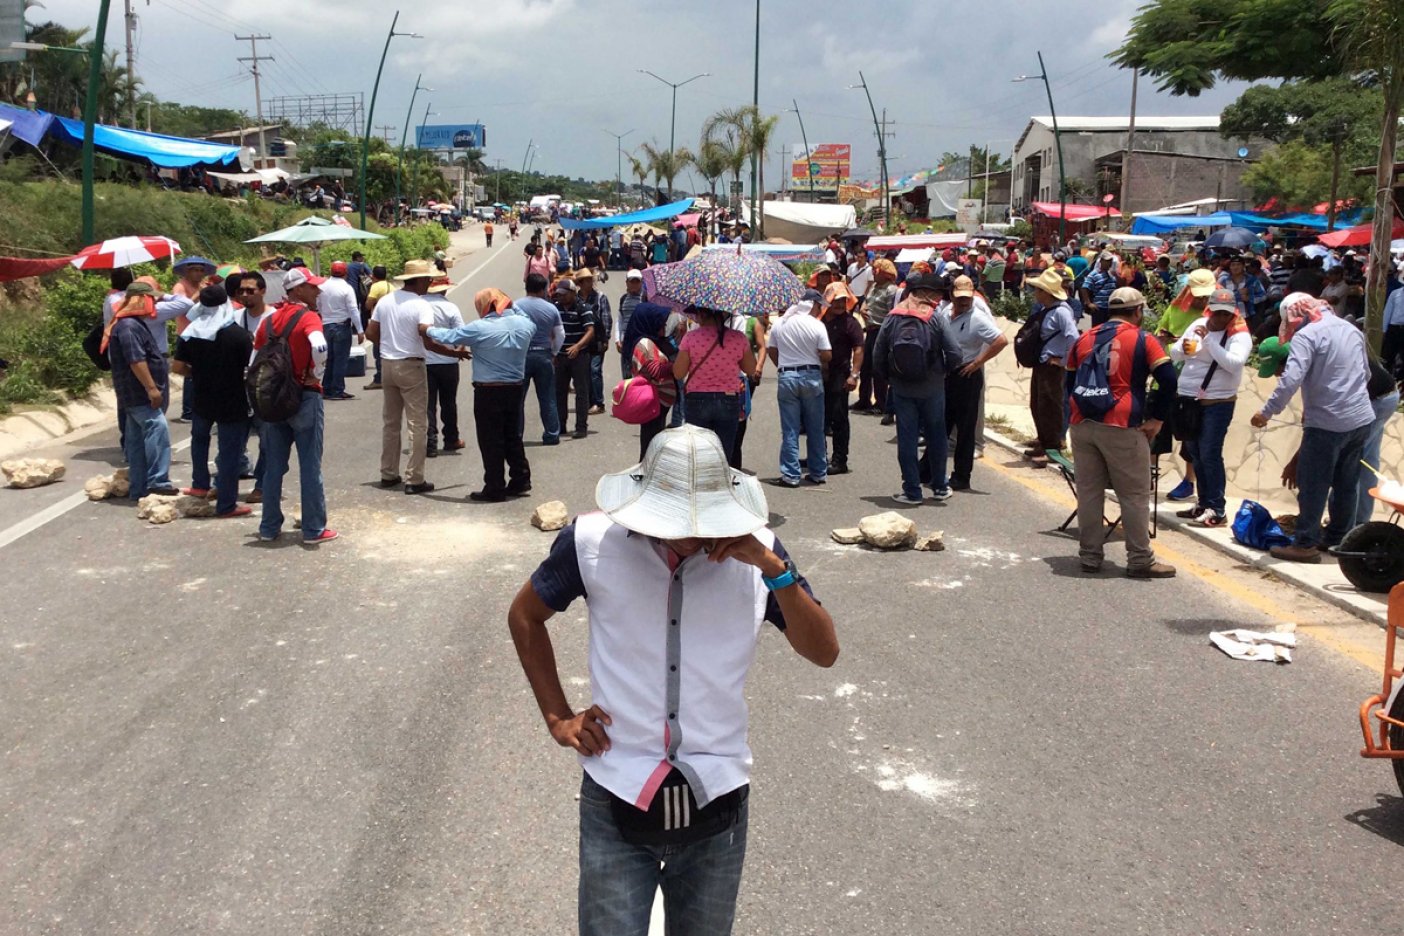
400 314
446 315
798 339
973 332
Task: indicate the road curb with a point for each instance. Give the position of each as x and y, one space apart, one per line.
1339 592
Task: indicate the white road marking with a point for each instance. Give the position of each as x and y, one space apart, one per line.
480 267
54 511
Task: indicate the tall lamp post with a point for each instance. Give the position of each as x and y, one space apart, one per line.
370 111
673 126
808 156
414 190
1058 144
618 165
404 135
882 152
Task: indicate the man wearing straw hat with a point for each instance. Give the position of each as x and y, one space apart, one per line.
679 573
1057 331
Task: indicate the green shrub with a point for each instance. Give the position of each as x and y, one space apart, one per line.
46 357
1012 305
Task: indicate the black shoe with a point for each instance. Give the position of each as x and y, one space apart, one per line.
555 441
390 482
431 453
424 488
838 469
579 434
813 480
960 485
522 491
487 497
888 419
165 490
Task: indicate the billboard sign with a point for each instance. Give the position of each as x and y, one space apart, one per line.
450 136
11 30
830 163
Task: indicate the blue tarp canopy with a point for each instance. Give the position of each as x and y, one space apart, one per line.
164 151
633 217
29 126
1161 224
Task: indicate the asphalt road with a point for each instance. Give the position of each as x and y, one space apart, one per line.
205 735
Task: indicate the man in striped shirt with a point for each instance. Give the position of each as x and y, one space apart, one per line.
573 361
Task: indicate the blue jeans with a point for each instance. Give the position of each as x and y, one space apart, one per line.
679 408
230 452
148 449
1385 407
917 416
719 412
1207 455
597 379
255 429
1328 466
541 371
700 881
338 357
303 431
801 396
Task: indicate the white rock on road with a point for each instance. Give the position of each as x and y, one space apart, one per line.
550 516
190 506
31 472
848 536
931 543
163 512
98 488
889 530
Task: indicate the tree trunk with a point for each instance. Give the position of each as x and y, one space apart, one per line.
760 201
1336 156
1375 284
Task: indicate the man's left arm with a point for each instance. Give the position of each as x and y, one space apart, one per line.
808 627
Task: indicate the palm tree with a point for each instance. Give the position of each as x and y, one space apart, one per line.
743 132
472 160
762 132
638 167
1373 33
711 159
665 166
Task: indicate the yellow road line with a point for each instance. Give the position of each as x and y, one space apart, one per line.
1374 659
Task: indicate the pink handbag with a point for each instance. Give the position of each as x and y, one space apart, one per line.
636 401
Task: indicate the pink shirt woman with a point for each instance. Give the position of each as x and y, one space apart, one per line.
714 367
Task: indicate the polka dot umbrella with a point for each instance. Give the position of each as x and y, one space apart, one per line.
729 281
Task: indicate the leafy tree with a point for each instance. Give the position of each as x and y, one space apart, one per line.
711 160
1336 114
1299 174
665 165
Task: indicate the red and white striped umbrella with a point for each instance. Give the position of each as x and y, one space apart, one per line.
124 252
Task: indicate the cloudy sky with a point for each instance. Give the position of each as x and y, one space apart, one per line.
563 72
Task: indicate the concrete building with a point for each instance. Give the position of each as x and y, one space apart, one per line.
1174 159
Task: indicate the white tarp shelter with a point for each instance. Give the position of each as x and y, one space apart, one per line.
803 222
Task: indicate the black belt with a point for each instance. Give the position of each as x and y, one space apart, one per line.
516 384
800 367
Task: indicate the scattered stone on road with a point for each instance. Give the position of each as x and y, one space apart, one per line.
889 530
550 516
101 487
188 505
931 543
163 512
32 472
848 536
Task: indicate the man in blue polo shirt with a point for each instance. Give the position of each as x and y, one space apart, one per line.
1097 289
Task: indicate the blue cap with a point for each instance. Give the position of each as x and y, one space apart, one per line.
192 261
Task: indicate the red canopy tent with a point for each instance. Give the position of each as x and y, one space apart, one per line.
1358 236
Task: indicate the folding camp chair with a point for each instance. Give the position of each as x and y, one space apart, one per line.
1068 470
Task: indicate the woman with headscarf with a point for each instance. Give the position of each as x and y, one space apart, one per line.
712 360
648 345
216 355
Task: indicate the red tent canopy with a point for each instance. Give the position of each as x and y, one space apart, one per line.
1358 236
1075 212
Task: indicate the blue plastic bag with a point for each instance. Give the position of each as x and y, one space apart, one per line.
1254 526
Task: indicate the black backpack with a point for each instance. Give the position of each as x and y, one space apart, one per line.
275 393
910 357
92 347
1029 342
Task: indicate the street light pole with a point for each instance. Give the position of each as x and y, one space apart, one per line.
526 154
370 111
619 162
1058 145
757 199
882 151
673 123
404 135
90 119
414 192
808 156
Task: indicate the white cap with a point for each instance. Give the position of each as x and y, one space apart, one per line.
634 274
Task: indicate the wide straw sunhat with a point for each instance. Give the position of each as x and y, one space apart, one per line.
684 488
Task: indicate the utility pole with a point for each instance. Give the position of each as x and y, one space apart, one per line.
757 198
808 156
784 161
131 65
385 131
880 128
253 58
498 176
1130 148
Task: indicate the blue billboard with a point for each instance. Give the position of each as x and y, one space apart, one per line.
451 136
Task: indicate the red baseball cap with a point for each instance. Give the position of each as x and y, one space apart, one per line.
338 267
297 276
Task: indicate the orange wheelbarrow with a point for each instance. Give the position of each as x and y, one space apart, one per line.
1371 556
1382 715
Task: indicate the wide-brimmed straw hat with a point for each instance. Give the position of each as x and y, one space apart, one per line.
417 269
1051 282
684 488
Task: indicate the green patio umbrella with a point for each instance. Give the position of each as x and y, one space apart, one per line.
314 232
